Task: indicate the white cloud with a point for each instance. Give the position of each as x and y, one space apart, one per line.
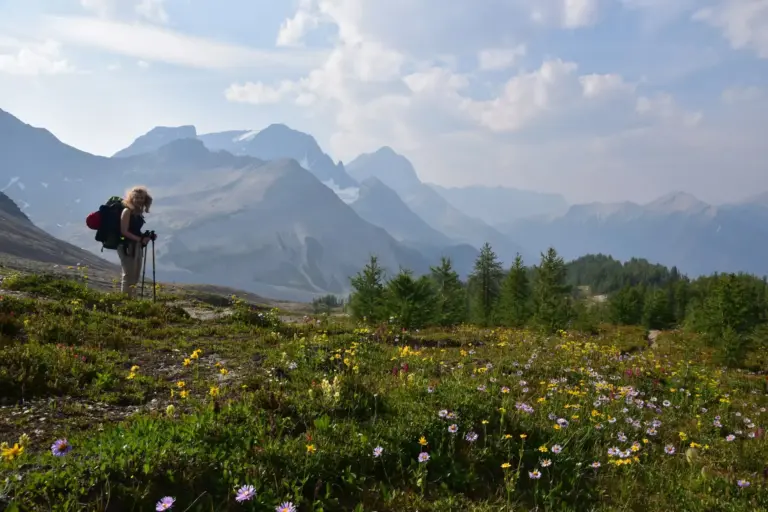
744 23
564 13
150 10
735 95
258 93
156 44
32 58
596 86
153 10
293 30
664 108
494 59
525 97
579 13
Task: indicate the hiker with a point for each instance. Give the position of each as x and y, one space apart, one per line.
136 203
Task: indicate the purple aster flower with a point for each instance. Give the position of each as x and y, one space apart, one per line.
60 447
742 483
423 457
165 504
378 451
245 493
286 507
471 437
669 449
453 428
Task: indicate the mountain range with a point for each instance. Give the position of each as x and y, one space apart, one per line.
270 212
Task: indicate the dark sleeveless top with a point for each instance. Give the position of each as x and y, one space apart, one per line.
135 224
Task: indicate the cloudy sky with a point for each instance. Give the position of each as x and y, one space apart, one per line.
596 99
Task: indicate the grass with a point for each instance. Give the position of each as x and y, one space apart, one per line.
333 416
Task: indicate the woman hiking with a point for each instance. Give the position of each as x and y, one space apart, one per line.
136 203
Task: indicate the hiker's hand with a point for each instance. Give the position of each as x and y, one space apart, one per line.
145 240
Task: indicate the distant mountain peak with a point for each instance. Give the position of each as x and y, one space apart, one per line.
9 207
392 168
156 138
677 201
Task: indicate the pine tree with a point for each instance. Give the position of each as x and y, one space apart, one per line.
485 286
451 304
657 311
410 301
515 303
367 300
552 308
626 306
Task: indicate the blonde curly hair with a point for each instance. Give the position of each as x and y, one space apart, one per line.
138 200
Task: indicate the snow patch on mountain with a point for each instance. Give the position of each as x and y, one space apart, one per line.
349 195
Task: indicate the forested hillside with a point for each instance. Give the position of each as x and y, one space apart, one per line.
728 312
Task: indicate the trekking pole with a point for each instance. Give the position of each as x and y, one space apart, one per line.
144 272
154 284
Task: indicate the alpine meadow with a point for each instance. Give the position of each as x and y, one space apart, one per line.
383 256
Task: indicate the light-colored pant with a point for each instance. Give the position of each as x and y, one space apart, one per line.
130 260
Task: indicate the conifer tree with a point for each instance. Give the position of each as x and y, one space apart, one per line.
626 306
552 308
515 304
367 299
485 286
410 301
657 311
451 303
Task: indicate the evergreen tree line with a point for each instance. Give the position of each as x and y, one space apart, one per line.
729 310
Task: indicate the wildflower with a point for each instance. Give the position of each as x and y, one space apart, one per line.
595 465
523 436
742 483
165 504
184 394
60 447
730 437
471 437
543 448
378 451
453 428
286 507
223 371
187 361
557 448
311 448
669 449
546 463
423 441
11 453
423 457
535 474
442 413
505 389
506 465
134 369
245 493
430 389
214 391
180 384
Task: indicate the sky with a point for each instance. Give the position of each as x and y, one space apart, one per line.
599 100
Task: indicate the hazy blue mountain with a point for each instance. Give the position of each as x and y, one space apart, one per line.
381 206
20 238
398 173
156 138
49 180
500 205
222 218
278 141
676 229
